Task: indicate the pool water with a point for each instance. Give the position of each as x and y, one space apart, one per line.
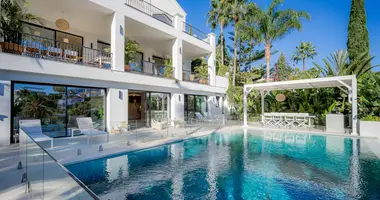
239 165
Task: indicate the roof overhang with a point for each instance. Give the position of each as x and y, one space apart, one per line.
328 82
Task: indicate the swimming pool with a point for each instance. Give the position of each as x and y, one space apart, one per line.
240 165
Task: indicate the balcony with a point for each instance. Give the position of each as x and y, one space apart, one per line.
39 47
191 30
151 10
146 68
190 76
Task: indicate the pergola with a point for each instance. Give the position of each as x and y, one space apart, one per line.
346 83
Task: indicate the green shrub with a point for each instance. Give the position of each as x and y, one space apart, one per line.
371 118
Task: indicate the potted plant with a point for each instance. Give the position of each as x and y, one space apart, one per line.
369 126
202 71
130 50
168 71
12 18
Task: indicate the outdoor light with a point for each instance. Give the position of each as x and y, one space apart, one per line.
62 24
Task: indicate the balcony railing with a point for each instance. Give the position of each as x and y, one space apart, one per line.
145 67
40 47
44 177
190 76
151 10
191 30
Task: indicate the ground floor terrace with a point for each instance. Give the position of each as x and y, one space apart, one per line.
59 102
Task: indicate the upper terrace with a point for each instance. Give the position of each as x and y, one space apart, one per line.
89 39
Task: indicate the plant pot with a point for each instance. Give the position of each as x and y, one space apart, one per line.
6 45
369 128
127 68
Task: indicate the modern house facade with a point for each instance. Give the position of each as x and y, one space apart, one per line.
74 65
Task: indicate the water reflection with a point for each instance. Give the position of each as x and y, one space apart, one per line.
246 165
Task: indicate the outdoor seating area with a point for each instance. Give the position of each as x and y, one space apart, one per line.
289 120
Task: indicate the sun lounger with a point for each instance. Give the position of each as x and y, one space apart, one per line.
85 126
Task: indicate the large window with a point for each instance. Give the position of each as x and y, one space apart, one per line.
57 107
193 104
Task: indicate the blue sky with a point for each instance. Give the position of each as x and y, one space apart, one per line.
327 29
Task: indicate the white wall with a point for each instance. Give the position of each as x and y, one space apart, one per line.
213 107
221 81
177 106
117 107
5 112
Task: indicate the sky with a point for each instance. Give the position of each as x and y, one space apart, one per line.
327 29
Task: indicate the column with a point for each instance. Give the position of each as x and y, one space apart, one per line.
354 106
177 58
211 59
245 107
177 107
117 107
117 41
5 112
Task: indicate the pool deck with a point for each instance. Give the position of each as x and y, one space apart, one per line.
66 150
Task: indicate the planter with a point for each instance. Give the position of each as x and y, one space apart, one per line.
369 128
127 68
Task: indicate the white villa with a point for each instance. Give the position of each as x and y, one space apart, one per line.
77 58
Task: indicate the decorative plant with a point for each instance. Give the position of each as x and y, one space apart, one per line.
131 48
371 118
202 73
223 70
12 18
168 71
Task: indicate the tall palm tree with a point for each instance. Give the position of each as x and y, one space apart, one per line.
304 51
338 64
218 16
237 9
275 24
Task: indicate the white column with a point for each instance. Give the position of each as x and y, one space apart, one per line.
117 41
245 106
212 58
177 58
178 21
5 112
117 107
177 106
354 106
262 105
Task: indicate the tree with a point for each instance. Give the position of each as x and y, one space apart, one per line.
304 51
283 70
274 24
35 105
338 64
358 41
12 17
237 9
218 16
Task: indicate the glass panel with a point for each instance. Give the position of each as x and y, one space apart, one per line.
159 106
103 46
43 102
86 102
68 38
38 31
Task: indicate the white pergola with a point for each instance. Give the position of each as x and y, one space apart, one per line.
346 83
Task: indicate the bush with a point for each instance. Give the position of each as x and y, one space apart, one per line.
371 118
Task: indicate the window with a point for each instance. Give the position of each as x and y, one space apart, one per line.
102 46
57 106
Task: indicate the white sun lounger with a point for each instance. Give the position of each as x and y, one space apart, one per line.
86 127
33 129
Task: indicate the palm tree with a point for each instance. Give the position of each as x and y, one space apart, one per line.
274 24
338 64
304 51
237 9
218 16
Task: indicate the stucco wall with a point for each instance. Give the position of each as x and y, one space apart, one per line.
5 111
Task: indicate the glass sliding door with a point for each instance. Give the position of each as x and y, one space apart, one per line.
57 107
193 104
147 106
